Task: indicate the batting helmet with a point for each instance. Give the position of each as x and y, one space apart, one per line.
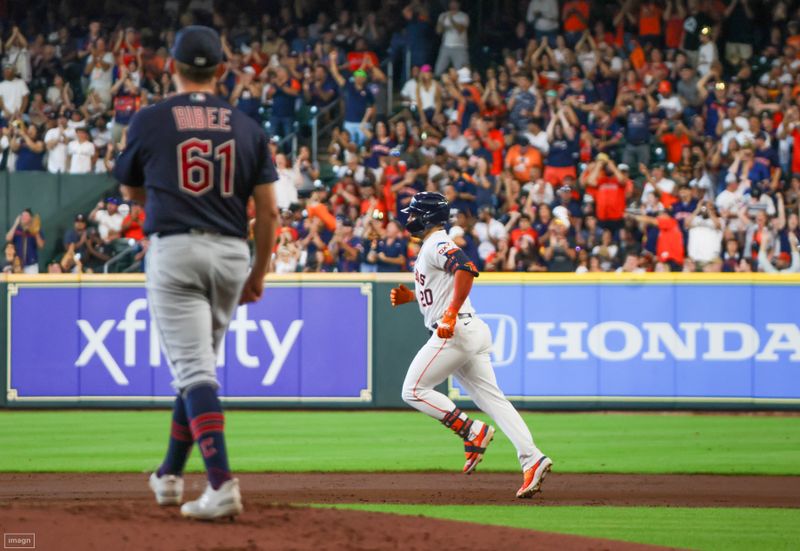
427 209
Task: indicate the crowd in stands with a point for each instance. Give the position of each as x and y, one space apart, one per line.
628 135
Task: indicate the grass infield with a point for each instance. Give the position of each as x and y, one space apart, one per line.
688 528
297 441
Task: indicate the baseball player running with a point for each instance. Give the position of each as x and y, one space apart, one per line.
459 345
194 161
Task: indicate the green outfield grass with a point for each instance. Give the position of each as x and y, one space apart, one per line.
122 441
691 528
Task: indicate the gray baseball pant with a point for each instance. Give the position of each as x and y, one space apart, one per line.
193 283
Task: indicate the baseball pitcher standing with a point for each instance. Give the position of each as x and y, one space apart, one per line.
193 161
459 345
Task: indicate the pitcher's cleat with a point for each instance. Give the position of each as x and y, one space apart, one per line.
533 477
475 448
167 488
226 501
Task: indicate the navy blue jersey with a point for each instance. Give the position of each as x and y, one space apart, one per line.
199 160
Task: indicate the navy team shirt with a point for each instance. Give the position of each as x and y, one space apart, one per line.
395 249
199 160
356 102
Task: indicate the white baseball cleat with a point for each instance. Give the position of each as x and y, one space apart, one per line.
534 477
226 501
167 488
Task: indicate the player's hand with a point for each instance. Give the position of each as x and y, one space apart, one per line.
447 325
401 295
253 289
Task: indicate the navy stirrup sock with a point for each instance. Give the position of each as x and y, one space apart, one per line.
207 423
180 441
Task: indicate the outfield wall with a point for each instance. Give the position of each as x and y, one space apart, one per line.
565 341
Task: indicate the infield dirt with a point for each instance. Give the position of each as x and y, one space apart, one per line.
116 511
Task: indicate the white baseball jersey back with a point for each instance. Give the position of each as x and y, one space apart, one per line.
434 280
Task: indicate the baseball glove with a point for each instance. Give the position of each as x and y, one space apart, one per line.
36 225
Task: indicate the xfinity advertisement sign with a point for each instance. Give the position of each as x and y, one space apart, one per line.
99 342
658 341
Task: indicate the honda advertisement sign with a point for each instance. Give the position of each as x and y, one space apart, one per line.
299 343
643 342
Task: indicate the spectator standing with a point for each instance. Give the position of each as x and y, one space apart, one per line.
320 90
14 93
637 131
127 101
452 25
99 67
454 141
575 20
288 182
739 31
81 153
246 95
521 159
704 244
346 248
358 100
542 16
29 148
693 24
607 184
17 54
707 55
562 155
26 235
428 96
559 252
283 92
56 140
522 102
650 24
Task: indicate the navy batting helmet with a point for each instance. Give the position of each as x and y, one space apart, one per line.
427 209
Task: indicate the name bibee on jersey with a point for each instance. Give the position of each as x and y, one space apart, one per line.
438 260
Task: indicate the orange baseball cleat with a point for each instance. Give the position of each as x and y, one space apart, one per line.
534 477
475 448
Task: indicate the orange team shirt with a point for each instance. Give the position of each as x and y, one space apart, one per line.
368 206
609 197
136 231
670 240
650 20
392 174
572 13
674 146
796 151
516 235
497 155
637 58
674 32
521 164
794 41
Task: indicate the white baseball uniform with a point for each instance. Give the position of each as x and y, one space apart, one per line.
465 355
